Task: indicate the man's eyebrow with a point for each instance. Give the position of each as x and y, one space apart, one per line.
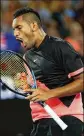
16 27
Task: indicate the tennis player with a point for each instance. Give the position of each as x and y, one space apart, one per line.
59 73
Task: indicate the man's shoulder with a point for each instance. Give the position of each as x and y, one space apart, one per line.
57 41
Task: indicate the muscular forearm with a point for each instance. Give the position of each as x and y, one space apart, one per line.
41 94
70 89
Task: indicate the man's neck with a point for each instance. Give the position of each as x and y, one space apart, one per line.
39 38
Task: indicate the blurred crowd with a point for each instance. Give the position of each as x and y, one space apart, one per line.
60 18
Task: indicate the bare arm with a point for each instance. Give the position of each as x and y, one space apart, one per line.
42 94
70 89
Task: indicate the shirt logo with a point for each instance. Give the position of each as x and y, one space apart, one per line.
35 60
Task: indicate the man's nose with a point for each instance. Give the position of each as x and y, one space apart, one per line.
16 33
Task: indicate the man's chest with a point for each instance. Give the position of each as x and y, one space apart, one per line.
42 64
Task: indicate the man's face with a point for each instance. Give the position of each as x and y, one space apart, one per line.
23 32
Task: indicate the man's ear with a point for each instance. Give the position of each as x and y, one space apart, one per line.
34 26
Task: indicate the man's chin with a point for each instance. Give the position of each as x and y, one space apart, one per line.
26 47
22 44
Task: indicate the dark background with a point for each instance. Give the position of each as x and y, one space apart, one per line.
15 118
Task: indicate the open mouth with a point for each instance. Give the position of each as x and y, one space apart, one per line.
20 40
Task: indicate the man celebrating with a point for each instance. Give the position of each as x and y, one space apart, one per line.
59 70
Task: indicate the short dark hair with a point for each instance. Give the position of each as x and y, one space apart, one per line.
26 10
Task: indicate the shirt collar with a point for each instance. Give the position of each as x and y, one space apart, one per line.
45 41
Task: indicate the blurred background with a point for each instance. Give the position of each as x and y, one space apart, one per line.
60 18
